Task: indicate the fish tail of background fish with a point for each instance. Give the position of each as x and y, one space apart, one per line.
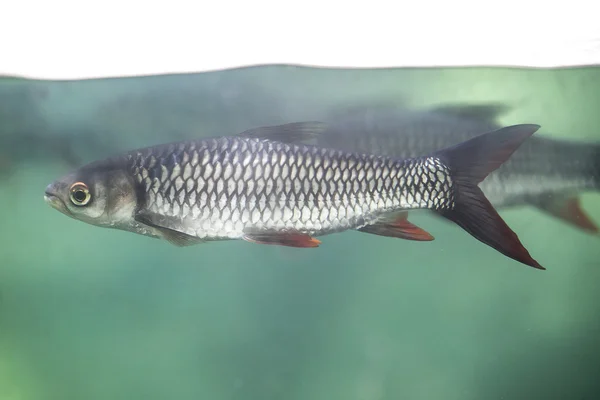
565 169
469 163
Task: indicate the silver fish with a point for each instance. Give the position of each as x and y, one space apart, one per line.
263 187
546 173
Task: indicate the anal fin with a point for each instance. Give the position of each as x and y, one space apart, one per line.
281 238
173 236
398 226
569 210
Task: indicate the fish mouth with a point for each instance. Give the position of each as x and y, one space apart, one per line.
55 202
51 199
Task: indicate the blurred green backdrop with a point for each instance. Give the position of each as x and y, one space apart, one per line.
91 313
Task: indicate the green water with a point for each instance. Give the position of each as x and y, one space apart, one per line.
91 313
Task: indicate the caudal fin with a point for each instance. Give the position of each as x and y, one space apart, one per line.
470 162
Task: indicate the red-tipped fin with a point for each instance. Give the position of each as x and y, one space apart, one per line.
469 163
289 239
568 210
398 226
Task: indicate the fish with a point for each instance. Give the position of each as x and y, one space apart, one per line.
266 186
43 123
43 148
546 173
26 135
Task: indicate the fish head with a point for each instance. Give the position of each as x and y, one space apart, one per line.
101 194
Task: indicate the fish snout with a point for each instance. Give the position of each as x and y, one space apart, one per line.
49 192
51 196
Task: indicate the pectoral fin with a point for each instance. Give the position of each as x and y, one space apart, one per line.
165 226
398 226
569 210
296 132
290 239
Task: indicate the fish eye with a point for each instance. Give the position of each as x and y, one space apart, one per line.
80 194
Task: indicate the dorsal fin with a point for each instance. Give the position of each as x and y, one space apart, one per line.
489 112
295 132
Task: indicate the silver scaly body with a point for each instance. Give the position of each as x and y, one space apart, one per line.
223 187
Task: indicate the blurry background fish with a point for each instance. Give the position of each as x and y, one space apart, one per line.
89 314
546 173
50 121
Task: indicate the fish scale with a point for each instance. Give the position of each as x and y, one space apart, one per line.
225 193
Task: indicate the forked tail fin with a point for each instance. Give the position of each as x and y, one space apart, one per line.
469 163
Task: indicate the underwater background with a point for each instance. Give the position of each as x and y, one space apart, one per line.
92 313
